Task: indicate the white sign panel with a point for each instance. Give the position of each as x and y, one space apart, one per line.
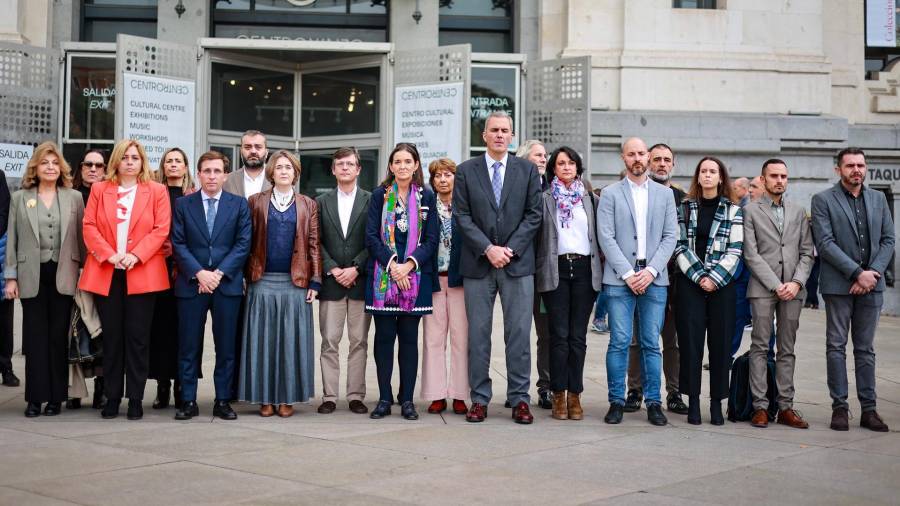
14 158
881 23
431 117
159 113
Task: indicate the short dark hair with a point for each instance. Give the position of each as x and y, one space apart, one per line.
662 145
771 161
571 153
839 159
344 153
213 155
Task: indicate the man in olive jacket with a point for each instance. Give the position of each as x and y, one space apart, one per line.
342 228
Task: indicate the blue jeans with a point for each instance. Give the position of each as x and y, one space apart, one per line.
600 306
650 309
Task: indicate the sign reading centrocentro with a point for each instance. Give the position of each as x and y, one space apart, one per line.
430 116
159 113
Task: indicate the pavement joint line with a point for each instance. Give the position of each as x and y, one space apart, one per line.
39 494
243 471
92 473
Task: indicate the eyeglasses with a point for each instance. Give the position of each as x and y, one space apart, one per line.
99 165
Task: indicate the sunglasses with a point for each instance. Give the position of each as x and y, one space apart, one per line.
99 165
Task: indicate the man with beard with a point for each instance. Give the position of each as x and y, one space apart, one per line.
250 179
637 228
662 163
854 235
778 250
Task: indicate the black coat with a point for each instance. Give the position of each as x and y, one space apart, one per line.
341 252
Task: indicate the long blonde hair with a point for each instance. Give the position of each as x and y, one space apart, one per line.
30 179
187 182
112 168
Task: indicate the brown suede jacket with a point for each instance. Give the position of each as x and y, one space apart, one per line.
306 261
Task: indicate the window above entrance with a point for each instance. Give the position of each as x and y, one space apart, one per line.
244 98
342 102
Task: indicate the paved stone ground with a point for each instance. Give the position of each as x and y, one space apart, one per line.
77 458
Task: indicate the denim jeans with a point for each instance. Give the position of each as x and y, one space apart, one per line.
600 306
650 309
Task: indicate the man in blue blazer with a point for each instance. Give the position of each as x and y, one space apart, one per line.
211 235
637 228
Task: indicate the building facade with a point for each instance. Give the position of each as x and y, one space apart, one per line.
744 80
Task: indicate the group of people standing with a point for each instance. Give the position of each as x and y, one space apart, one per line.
159 252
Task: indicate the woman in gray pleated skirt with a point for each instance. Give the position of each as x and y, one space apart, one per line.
284 272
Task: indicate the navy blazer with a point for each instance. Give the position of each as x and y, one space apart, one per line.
454 278
427 240
194 250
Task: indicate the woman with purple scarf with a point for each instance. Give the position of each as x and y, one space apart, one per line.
402 237
568 276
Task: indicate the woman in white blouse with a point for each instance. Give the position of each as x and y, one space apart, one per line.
568 274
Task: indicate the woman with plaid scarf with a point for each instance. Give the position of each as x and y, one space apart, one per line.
708 253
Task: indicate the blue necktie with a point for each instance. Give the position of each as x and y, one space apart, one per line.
497 182
210 215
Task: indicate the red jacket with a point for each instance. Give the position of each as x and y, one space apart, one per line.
151 218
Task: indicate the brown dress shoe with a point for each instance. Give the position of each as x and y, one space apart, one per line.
266 410
791 418
522 413
326 408
459 407
477 413
285 410
560 409
357 406
438 406
574 402
872 421
840 419
760 418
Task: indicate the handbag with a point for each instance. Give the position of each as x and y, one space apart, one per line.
82 348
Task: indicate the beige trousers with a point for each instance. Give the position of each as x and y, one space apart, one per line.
333 314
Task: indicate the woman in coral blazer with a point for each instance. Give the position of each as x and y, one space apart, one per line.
126 222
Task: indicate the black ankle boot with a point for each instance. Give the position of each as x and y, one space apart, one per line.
163 388
135 409
111 409
715 412
693 416
99 400
176 390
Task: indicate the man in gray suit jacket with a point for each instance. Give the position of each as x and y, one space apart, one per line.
854 236
250 179
342 299
778 249
497 204
637 229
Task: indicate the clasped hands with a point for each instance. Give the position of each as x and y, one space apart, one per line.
865 283
123 260
208 280
345 277
499 256
639 281
400 273
787 291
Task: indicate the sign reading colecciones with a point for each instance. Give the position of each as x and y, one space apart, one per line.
430 116
14 158
159 113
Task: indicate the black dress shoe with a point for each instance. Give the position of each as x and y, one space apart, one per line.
111 409
675 404
135 409
655 415
52 408
73 403
10 379
99 399
176 390
545 398
408 411
633 401
33 409
357 406
187 410
715 413
222 409
615 413
382 409
507 404
163 391
693 416
326 408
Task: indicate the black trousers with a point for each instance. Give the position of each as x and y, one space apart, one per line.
710 316
404 329
126 321
6 334
568 313
164 338
45 327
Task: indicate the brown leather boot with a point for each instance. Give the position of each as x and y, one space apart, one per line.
760 418
560 412
791 418
575 411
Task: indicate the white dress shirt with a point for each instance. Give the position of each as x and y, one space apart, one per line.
574 239
125 203
345 208
206 198
490 165
252 186
640 195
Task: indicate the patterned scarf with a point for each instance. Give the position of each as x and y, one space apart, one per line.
385 289
566 199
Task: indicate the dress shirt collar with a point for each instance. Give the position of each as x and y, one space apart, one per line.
634 186
490 161
349 195
206 197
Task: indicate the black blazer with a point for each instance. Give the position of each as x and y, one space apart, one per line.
454 278
339 251
482 223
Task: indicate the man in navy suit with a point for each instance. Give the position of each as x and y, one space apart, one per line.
211 240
